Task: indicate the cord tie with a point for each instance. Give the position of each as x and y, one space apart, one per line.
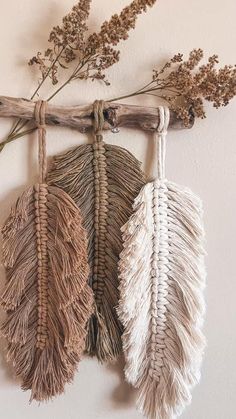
161 131
39 113
99 120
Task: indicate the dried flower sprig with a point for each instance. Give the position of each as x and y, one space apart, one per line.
95 53
67 42
92 55
185 85
100 45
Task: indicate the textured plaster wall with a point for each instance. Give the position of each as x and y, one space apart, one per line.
203 158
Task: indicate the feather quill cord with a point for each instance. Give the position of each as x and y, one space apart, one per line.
161 305
103 180
47 299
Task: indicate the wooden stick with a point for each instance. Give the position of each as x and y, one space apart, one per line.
81 117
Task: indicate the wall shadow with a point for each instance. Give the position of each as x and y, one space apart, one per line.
124 394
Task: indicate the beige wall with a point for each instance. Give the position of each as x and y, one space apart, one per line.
203 159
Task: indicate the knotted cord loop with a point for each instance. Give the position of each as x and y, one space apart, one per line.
39 112
164 119
99 120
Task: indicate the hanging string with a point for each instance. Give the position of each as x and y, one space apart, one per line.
164 119
39 113
99 120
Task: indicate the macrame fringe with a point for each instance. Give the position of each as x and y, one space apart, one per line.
161 305
103 180
47 299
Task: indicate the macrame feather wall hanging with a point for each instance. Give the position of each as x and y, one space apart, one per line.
98 260
161 305
47 298
103 180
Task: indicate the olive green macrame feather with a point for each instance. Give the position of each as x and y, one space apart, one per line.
103 180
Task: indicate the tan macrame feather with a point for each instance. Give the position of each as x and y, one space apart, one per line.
103 180
161 305
47 298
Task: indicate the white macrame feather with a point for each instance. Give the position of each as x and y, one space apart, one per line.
161 300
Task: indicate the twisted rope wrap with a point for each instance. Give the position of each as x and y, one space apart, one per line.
39 113
98 108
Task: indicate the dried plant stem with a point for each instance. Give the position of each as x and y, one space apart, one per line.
61 87
127 96
16 132
9 139
147 90
77 72
48 72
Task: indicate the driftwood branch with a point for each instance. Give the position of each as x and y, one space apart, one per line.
81 117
